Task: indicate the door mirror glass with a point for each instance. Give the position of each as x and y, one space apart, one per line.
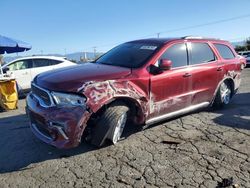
152 69
165 64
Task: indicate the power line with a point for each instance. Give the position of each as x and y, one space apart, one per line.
205 24
184 28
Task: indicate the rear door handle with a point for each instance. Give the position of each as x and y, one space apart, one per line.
187 75
219 69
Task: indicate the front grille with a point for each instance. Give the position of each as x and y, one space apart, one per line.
43 130
39 123
42 95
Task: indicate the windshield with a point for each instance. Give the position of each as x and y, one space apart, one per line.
131 55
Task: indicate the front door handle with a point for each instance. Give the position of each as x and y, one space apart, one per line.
187 75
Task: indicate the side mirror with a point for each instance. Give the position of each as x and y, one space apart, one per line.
5 69
165 64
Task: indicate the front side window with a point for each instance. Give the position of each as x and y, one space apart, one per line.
19 65
177 54
41 62
201 53
131 54
224 51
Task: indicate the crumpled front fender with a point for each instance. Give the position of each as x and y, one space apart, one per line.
99 93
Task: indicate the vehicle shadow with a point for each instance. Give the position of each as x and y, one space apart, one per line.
20 148
236 114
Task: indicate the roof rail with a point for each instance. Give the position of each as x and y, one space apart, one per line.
198 37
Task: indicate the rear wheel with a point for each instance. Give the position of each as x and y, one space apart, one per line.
111 124
223 95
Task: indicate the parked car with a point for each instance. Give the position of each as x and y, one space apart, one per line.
246 54
25 69
139 82
248 60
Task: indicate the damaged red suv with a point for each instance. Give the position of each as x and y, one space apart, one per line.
140 82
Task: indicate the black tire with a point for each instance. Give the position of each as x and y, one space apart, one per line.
107 123
223 95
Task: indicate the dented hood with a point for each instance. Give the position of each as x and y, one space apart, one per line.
70 79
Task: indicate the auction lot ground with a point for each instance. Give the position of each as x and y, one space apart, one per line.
196 150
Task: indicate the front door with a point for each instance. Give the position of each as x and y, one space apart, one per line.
21 71
170 90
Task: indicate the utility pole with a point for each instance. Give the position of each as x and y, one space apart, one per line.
94 51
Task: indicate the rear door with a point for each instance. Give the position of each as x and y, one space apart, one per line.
230 64
170 90
22 71
204 72
39 66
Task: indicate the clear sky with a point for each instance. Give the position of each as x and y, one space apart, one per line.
59 26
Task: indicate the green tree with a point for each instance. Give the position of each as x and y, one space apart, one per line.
247 43
239 48
244 47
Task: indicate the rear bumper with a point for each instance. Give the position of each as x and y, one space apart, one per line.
60 127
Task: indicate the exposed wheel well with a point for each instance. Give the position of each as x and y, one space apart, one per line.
135 110
230 82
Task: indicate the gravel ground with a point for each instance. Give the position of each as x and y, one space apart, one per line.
196 150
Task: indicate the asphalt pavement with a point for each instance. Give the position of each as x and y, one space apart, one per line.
202 149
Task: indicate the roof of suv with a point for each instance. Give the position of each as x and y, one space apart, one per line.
166 40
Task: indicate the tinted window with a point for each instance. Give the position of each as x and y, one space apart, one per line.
201 53
224 51
132 54
41 62
177 54
20 65
54 62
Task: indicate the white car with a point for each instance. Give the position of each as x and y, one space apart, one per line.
245 54
25 69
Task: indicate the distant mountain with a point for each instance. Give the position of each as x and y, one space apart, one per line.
72 56
90 55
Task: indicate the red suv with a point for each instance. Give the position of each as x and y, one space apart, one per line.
139 82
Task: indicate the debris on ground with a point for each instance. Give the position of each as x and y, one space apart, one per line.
226 182
171 142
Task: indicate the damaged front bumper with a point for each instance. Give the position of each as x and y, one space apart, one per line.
61 127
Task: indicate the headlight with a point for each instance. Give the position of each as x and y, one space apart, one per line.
63 99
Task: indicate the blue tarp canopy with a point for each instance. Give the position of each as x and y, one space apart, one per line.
8 45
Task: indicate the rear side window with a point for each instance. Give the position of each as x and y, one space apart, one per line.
54 62
177 54
224 51
201 53
41 62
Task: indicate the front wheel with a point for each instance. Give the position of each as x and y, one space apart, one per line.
223 95
111 124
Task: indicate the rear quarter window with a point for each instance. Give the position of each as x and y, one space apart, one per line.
55 62
225 51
